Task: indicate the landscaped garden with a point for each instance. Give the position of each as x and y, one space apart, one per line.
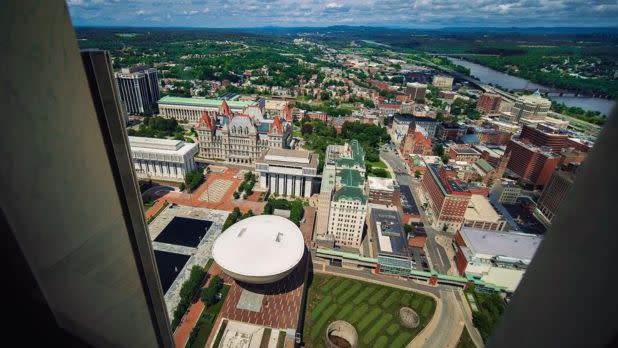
373 310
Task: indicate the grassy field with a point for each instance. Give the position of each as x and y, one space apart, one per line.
372 309
379 164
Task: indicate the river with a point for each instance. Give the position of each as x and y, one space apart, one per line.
488 75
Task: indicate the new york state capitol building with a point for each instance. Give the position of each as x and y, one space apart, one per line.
236 132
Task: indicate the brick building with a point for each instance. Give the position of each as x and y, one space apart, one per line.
447 197
446 131
416 91
463 154
383 191
544 135
489 103
534 165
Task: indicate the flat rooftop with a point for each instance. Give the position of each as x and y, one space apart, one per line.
286 157
390 236
465 151
382 184
408 205
479 209
164 146
521 246
213 103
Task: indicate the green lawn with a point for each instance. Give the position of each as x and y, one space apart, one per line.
465 341
380 164
372 309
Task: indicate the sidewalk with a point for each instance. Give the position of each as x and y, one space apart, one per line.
155 208
188 321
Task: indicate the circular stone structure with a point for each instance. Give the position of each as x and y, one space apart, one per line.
260 249
341 334
408 317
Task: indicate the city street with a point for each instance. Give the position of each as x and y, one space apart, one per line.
440 262
453 312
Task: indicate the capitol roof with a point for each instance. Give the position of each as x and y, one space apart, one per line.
259 246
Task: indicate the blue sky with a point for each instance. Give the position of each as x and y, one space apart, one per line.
288 13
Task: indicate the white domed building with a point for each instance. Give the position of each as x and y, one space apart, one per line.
259 250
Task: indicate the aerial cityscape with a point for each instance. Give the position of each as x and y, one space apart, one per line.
368 178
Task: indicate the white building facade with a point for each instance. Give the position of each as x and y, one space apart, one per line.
348 210
287 172
162 158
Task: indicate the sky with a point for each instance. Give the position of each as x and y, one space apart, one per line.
318 13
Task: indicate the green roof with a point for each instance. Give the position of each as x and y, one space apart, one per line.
484 165
345 255
350 193
215 103
350 177
358 156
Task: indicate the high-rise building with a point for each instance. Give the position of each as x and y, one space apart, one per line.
530 108
544 135
83 277
489 103
415 90
442 82
555 192
534 165
139 89
348 207
447 196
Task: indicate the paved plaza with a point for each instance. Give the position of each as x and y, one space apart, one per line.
198 255
216 191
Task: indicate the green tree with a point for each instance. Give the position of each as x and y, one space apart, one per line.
417 174
193 179
438 150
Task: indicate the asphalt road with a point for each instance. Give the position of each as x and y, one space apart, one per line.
453 308
439 260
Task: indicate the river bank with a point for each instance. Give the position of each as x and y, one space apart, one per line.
494 77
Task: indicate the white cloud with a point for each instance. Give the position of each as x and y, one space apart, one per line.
432 13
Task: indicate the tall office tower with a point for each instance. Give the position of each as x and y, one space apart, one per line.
82 274
488 103
544 134
555 192
533 164
348 207
139 89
